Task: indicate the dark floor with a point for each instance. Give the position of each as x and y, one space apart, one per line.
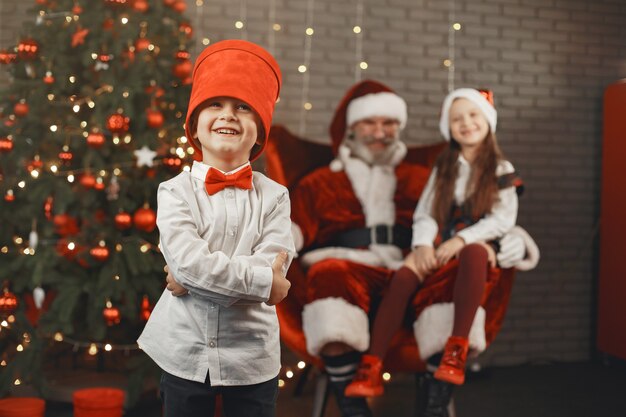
552 390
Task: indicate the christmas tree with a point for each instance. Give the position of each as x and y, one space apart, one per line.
90 123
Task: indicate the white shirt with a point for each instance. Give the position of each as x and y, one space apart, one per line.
221 248
494 225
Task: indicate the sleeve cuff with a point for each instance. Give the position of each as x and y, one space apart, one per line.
262 281
467 236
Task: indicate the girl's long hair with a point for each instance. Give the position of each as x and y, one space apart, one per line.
482 187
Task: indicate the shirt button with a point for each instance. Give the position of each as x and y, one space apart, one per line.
232 233
212 344
230 194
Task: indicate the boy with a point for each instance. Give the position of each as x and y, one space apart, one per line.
225 235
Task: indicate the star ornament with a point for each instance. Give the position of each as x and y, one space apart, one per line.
145 156
78 38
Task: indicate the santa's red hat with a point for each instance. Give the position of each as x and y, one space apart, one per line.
367 98
237 69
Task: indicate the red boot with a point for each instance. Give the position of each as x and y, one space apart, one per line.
368 381
452 366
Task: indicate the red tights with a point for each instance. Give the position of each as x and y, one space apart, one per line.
468 291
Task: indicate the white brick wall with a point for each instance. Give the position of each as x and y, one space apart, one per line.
547 61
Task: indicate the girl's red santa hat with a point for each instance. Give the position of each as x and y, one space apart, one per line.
237 69
367 98
481 98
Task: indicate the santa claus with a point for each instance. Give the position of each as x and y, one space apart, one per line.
352 225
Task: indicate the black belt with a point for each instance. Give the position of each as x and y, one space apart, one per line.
396 235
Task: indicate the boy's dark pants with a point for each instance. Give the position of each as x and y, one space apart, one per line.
184 398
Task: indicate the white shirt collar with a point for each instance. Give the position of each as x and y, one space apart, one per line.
200 169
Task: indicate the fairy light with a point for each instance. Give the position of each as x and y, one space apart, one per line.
72 79
303 69
21 184
70 178
358 43
54 128
76 108
108 347
243 15
452 28
19 348
289 374
124 20
17 382
273 28
58 336
71 246
93 349
301 365
18 240
386 376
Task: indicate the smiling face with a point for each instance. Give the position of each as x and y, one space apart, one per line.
376 133
468 124
226 130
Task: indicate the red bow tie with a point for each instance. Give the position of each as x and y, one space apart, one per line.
216 181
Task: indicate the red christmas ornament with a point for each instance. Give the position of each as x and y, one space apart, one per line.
88 180
173 163
180 6
42 2
99 253
123 220
116 3
27 49
6 145
169 3
108 24
118 123
141 6
48 206
128 56
145 219
142 44
146 308
48 78
8 303
36 163
68 249
154 118
9 197
66 156
99 185
186 29
95 139
77 9
156 91
65 225
111 315
21 108
7 57
182 69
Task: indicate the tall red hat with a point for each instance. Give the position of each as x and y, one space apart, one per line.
237 69
367 98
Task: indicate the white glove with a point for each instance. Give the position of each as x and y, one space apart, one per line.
518 250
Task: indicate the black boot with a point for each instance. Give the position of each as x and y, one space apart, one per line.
349 406
434 396
341 369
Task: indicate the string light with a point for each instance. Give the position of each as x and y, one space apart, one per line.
273 28
452 28
308 43
358 44
240 24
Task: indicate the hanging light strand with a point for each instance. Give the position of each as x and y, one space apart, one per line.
359 65
304 68
243 15
450 62
272 27
198 19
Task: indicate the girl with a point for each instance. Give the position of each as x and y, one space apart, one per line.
469 202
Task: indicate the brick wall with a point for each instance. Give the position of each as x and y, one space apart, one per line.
547 61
